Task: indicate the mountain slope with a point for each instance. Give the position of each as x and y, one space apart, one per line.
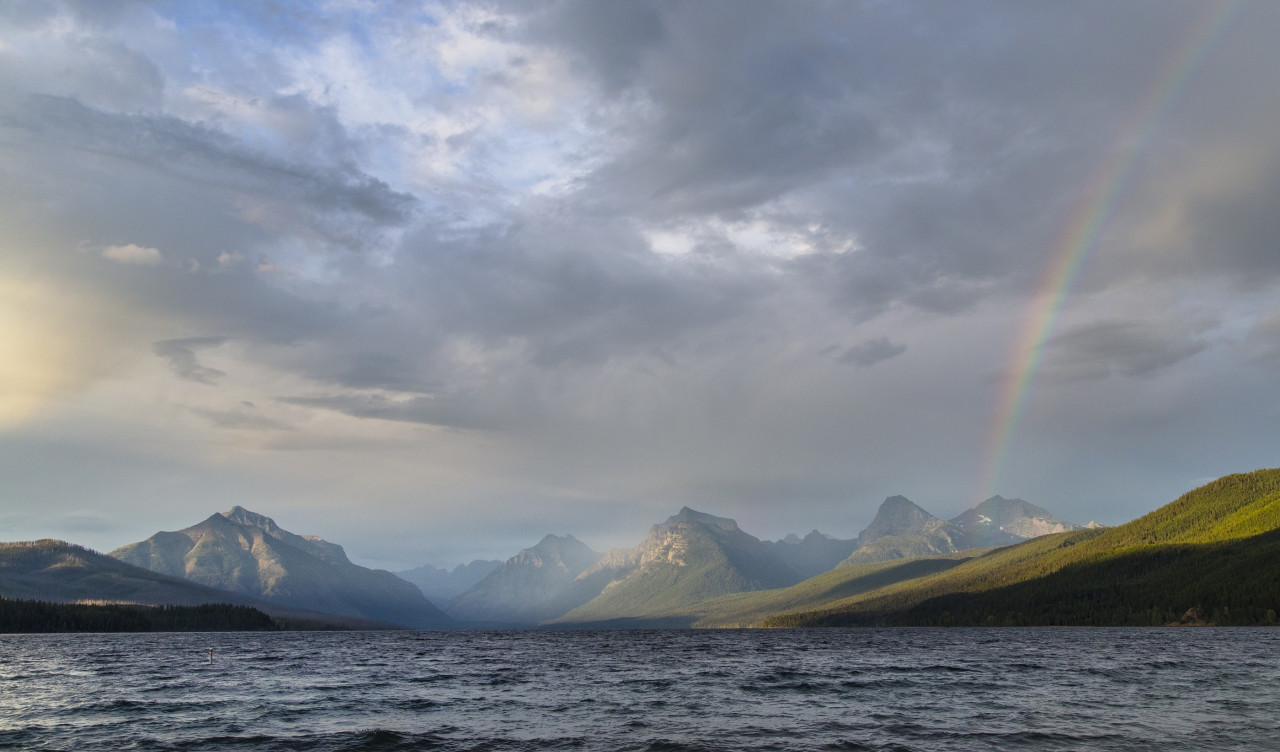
248 553
1210 553
750 609
903 530
51 570
1001 522
532 586
442 585
690 557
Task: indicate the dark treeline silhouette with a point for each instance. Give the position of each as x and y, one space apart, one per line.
39 616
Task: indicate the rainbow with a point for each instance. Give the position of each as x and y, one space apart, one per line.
1081 234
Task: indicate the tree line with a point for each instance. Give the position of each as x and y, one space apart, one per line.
27 616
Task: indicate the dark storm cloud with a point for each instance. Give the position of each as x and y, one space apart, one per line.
890 125
736 105
181 354
950 140
1119 348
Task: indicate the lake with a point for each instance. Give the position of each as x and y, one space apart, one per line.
854 689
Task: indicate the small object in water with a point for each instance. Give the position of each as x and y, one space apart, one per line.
211 655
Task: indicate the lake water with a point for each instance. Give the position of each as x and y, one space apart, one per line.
858 689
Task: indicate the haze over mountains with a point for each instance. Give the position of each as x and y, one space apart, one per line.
534 585
689 557
440 585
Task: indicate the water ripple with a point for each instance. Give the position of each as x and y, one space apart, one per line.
1006 689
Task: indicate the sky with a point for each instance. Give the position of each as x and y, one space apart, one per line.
434 279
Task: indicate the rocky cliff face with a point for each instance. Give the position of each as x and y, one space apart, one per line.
248 553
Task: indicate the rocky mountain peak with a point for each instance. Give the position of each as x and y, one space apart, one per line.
242 516
898 515
999 521
562 552
687 516
312 544
246 552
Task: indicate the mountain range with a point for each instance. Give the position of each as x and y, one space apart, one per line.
694 556
1208 557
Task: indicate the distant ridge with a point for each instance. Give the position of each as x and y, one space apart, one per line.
813 554
443 585
245 552
534 585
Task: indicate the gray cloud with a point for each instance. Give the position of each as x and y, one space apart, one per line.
1118 348
867 354
240 420
337 203
436 410
574 292
181 354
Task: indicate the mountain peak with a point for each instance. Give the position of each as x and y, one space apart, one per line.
999 522
566 553
898 515
248 553
687 515
551 539
242 516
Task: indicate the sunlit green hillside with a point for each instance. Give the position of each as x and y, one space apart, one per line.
1208 556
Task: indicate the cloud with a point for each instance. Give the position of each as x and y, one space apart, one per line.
608 242
240 420
866 354
442 411
133 254
332 203
1118 348
181 354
